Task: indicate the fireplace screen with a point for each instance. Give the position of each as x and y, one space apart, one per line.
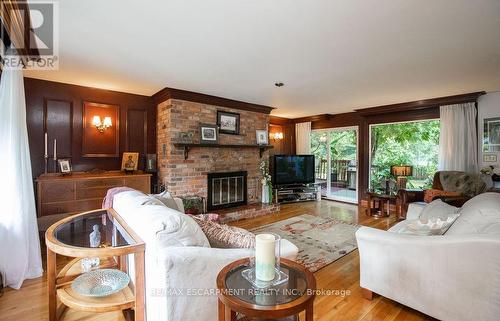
226 190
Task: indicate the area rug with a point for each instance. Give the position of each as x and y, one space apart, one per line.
320 240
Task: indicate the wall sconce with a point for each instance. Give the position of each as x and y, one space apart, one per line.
276 136
101 126
323 139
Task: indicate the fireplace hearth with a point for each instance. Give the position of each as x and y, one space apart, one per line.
228 189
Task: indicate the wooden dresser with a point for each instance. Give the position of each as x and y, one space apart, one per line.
78 192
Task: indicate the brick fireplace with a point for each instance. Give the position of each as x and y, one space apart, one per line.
189 176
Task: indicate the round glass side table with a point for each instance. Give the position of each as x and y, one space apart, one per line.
282 302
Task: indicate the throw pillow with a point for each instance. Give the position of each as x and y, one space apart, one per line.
479 215
430 194
167 199
152 201
208 217
438 209
225 236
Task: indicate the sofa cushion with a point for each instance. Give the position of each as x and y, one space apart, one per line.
158 224
225 236
480 214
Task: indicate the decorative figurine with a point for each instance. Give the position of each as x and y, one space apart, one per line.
95 237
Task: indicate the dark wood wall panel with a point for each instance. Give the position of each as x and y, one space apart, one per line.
62 105
287 127
95 143
58 123
137 130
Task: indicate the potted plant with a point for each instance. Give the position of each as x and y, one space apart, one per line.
192 205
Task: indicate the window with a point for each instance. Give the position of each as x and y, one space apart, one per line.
410 143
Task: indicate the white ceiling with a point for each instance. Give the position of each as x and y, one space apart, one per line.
333 55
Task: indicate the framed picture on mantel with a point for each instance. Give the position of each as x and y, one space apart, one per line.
209 134
229 123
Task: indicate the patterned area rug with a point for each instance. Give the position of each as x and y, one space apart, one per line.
320 240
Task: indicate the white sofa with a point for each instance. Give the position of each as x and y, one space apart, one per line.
455 276
181 267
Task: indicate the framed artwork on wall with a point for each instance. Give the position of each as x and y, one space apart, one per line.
209 134
491 138
262 137
490 158
101 134
229 123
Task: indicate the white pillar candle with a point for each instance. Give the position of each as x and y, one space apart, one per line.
55 149
265 259
45 155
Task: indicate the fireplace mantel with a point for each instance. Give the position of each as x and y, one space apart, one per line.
188 146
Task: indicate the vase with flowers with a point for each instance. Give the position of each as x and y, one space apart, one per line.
490 174
267 188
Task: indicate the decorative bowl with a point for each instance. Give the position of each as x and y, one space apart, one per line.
99 283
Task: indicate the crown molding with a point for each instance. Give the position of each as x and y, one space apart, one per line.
172 93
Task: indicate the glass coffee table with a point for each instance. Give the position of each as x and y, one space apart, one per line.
71 237
282 302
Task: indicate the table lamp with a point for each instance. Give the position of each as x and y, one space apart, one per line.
401 172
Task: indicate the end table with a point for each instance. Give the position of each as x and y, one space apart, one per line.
379 203
70 237
236 294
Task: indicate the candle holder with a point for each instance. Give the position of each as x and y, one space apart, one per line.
264 270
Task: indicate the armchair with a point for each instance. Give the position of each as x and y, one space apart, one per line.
467 185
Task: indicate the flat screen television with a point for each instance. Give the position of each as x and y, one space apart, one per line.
293 169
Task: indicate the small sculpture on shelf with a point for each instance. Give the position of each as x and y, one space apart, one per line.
89 263
95 236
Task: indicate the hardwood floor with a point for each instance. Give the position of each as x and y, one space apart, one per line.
30 302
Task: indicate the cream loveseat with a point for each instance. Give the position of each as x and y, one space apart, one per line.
455 276
181 267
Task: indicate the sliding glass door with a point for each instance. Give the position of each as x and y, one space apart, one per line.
335 151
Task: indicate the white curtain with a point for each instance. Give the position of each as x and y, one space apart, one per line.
458 138
303 138
20 256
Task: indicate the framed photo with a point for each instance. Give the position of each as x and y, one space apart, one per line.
65 165
262 137
491 139
130 161
490 158
229 123
209 134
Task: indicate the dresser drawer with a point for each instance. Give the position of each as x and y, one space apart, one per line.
99 182
139 183
95 192
70 207
57 191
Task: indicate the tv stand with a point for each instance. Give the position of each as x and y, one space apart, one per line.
295 193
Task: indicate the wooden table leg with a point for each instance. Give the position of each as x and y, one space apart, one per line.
221 310
229 314
139 286
51 284
310 311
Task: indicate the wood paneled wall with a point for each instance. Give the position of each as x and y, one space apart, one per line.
286 146
58 108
